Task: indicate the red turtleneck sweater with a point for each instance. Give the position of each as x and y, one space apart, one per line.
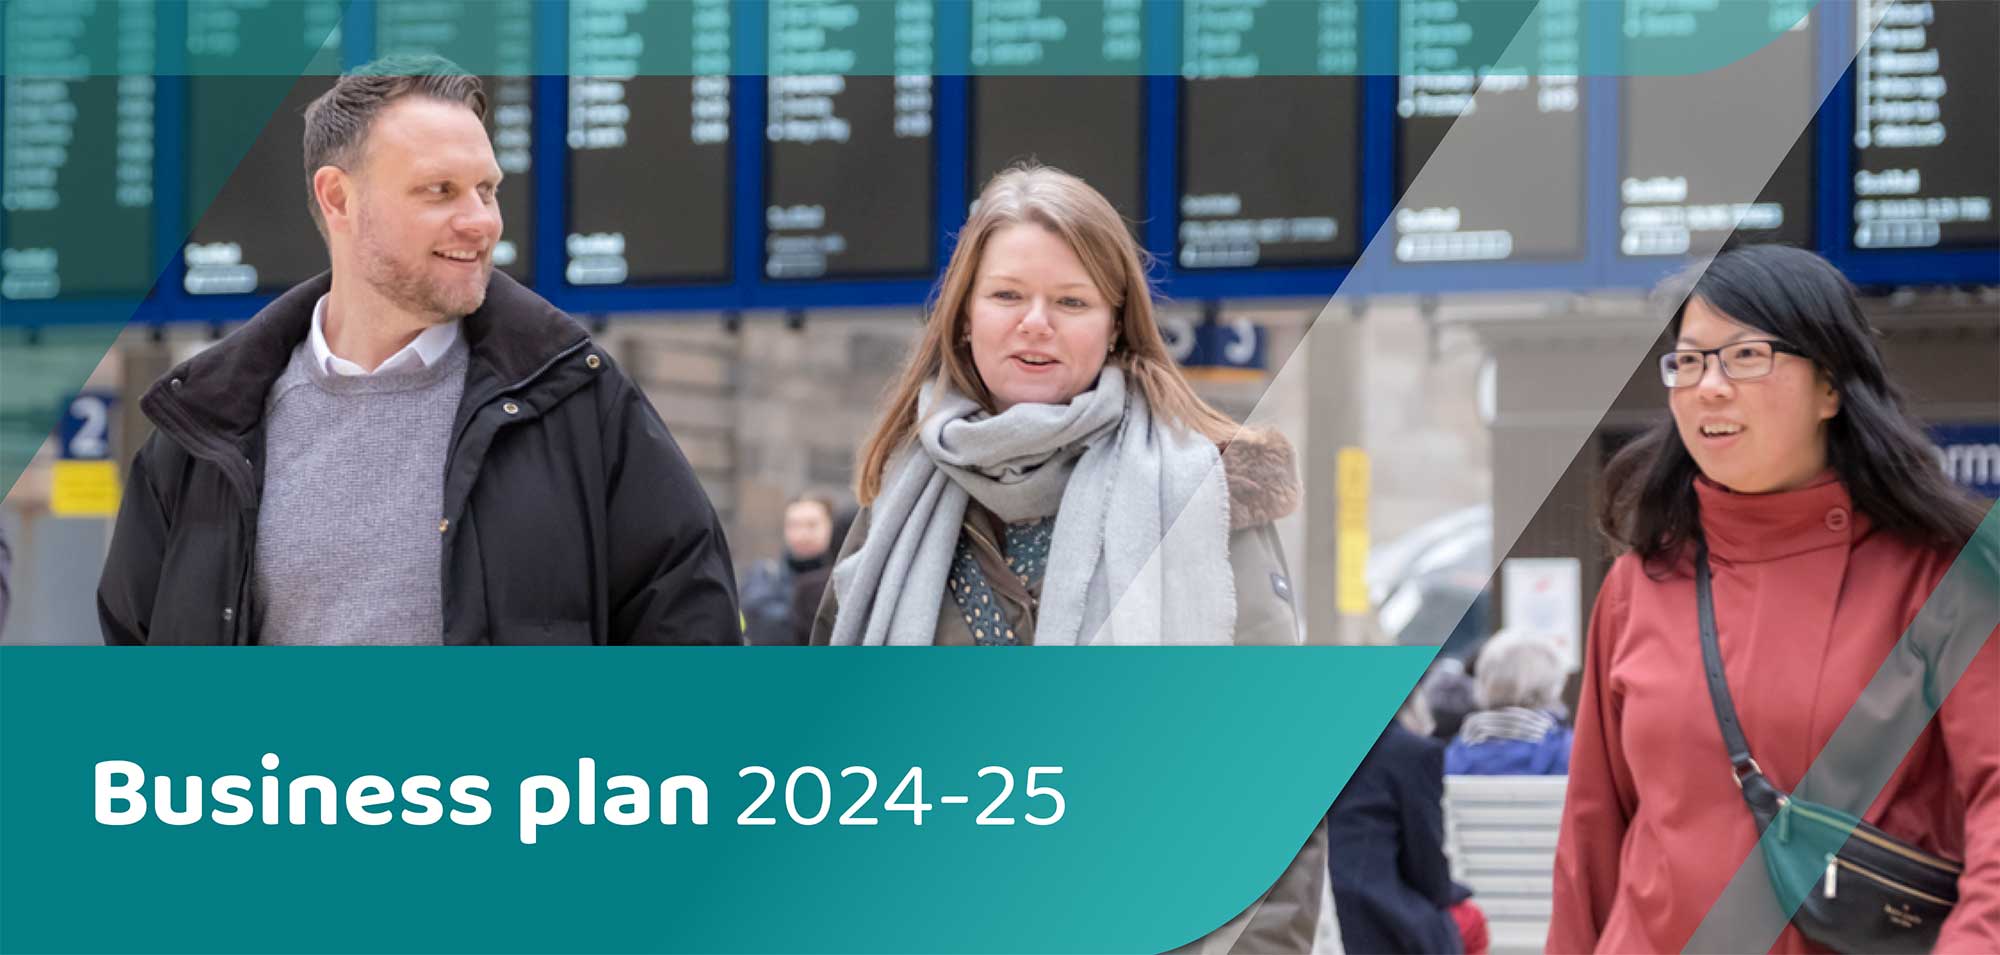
1809 600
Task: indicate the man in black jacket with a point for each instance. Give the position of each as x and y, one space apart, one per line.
411 448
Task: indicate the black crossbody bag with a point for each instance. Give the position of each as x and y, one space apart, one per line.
1856 888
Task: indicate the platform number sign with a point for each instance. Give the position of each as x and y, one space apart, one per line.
85 477
86 431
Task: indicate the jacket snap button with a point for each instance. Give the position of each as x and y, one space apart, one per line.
593 361
511 408
444 524
174 383
228 614
1836 519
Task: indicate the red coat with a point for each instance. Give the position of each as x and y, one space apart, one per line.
1809 600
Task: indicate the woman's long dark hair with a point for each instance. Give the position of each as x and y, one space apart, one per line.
1647 502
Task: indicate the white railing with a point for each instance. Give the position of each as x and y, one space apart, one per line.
1500 832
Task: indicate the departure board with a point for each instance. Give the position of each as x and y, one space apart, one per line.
1047 89
1270 159
247 188
1926 91
1679 193
1511 185
849 172
76 150
494 38
649 143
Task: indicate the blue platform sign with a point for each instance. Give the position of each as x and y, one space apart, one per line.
1229 343
1182 342
86 426
1970 455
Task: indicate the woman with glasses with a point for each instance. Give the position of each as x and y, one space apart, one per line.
1788 466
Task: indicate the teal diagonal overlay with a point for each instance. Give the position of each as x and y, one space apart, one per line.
93 214
1189 779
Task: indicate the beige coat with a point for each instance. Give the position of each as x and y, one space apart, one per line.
1263 487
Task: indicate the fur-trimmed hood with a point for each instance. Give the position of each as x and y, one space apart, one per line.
1263 477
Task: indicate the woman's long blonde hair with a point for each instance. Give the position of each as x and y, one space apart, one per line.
1072 210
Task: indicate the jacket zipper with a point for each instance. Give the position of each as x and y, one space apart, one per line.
1834 864
1785 804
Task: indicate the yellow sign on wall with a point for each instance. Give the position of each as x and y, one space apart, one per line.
84 489
1351 533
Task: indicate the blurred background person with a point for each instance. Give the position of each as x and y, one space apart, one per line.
767 589
810 584
1450 695
1518 729
1392 884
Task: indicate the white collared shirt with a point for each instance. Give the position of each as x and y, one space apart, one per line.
429 346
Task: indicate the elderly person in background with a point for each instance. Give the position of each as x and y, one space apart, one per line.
1518 730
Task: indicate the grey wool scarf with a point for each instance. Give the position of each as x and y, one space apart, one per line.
1140 553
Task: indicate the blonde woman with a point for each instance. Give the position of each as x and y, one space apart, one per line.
1041 448
1044 475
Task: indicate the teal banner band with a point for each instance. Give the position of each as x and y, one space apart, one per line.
1192 38
1188 780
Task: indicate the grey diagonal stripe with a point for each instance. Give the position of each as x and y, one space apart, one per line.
1877 733
1325 388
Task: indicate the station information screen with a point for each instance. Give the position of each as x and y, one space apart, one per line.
1926 91
495 38
1673 186
1046 89
849 172
76 149
649 143
1269 163
252 232
1511 185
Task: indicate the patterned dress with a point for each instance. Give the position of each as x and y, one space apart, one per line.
1027 553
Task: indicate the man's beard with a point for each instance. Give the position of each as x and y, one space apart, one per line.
411 290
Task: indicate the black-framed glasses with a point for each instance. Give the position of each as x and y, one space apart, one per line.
1741 361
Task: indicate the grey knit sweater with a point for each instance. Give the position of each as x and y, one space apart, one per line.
347 534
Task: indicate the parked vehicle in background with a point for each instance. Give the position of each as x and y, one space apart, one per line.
1429 585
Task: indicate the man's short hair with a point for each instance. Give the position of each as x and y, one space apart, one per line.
337 122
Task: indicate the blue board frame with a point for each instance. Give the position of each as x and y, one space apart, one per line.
1601 267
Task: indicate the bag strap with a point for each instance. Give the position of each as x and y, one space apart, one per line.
1718 685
